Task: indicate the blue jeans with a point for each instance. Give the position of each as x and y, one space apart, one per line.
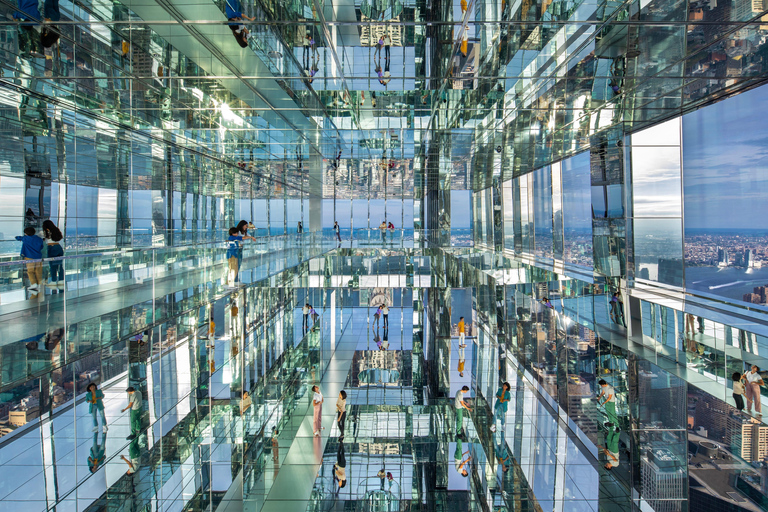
57 267
94 413
499 413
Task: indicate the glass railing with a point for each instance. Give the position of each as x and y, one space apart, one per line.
396 237
22 281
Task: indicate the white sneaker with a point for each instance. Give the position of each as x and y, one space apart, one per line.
316 434
493 428
105 429
95 429
61 285
33 287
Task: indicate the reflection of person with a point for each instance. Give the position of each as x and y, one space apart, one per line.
738 391
341 412
460 463
752 382
607 398
98 453
95 399
502 453
460 405
317 403
463 7
134 404
617 310
461 367
134 452
340 468
275 448
49 34
689 326
503 396
234 15
611 449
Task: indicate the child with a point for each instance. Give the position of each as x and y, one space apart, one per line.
738 391
235 240
32 249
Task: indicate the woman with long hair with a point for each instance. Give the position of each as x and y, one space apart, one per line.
53 238
95 399
242 228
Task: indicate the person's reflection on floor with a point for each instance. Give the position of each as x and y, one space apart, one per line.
134 456
611 448
49 33
461 464
235 15
275 451
340 468
502 453
98 452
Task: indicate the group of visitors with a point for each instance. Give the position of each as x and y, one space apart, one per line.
383 227
32 246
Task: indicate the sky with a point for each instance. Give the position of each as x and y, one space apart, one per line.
725 163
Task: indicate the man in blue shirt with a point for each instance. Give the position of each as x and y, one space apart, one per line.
32 249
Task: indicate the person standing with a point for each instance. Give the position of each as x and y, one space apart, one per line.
738 391
242 227
305 315
387 43
95 399
134 404
462 344
607 398
377 316
385 314
317 403
52 237
314 316
337 230
503 397
383 229
460 405
752 382
234 246
32 249
341 412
